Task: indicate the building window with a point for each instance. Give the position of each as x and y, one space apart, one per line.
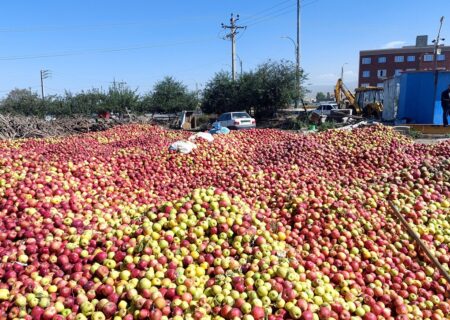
381 59
411 58
381 73
380 84
366 60
427 57
440 57
399 58
366 74
364 85
398 72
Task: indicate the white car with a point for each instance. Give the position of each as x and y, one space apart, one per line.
325 109
236 120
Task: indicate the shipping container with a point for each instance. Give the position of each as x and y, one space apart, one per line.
418 101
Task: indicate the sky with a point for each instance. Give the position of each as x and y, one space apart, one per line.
88 44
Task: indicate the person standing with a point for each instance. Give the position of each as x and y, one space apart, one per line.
445 102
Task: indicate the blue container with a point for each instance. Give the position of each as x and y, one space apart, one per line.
416 102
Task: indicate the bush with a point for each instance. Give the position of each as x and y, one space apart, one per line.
327 125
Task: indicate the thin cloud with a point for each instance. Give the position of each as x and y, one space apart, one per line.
330 78
326 76
393 44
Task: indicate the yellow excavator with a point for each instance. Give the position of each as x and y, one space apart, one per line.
366 101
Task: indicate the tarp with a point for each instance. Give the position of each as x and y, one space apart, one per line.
183 146
202 135
218 129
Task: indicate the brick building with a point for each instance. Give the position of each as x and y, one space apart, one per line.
377 65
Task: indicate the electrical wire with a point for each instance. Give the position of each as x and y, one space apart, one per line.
64 28
277 11
264 11
76 53
280 14
98 26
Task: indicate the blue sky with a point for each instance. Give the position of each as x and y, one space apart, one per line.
87 44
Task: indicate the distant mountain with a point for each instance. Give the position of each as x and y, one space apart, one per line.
328 88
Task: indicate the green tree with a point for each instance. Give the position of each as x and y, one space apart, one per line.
119 98
170 96
272 86
85 102
22 101
221 94
320 96
276 85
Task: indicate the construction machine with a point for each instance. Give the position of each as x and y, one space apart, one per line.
366 101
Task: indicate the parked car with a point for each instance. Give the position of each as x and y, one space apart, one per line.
324 109
236 120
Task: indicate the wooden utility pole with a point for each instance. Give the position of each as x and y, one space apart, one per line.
44 75
232 36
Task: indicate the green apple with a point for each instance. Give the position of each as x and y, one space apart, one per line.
98 316
295 312
4 294
246 308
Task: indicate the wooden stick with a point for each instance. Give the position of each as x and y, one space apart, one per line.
420 242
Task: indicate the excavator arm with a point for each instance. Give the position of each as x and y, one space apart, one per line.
339 90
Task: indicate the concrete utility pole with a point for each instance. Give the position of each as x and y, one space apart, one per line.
297 56
298 34
297 70
44 75
232 35
435 56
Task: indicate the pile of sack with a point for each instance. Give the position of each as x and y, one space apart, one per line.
185 147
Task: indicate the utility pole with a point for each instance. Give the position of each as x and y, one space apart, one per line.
232 36
298 38
297 71
435 56
44 75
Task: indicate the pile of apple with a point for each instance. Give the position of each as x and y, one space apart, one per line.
260 224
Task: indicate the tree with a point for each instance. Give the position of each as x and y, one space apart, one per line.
170 96
276 84
85 102
22 101
320 96
221 94
272 86
119 98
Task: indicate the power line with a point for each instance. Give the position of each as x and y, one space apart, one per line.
281 14
265 10
65 28
75 53
97 26
269 14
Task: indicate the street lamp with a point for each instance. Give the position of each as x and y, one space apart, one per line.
297 70
342 71
435 56
240 62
